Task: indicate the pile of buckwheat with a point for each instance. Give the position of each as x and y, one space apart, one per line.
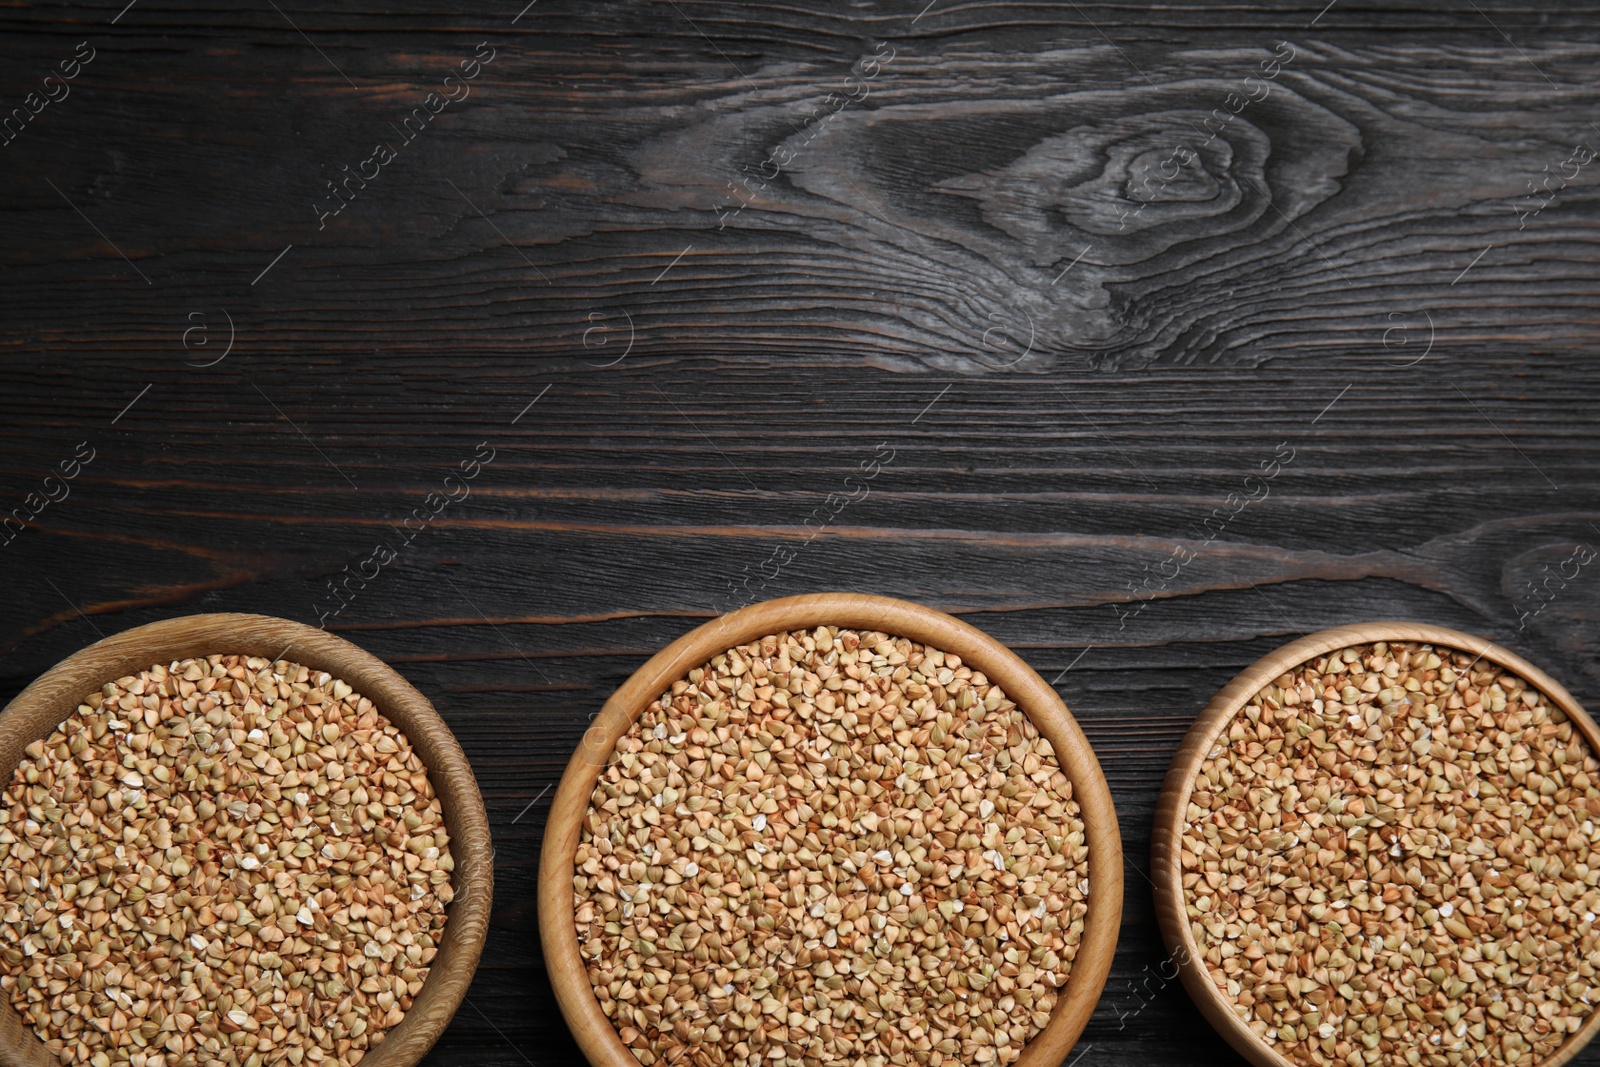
1392 857
220 861
835 847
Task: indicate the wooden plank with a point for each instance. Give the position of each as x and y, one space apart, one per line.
1351 268
1053 199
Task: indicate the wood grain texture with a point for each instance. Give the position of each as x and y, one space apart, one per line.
56 694
563 829
647 490
1166 867
1001 196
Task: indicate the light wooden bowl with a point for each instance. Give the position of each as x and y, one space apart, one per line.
1166 862
56 694
557 928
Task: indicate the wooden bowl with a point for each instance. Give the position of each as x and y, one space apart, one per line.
557 927
1166 862
56 694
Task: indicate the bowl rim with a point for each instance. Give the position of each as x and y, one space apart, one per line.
589 1024
1165 843
55 695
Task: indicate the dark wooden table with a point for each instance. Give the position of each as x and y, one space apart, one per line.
680 268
